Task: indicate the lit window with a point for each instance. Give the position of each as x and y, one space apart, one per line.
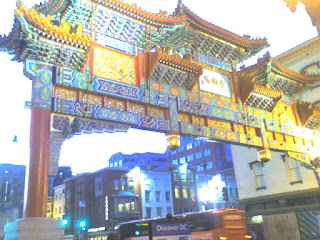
189 146
293 169
200 167
175 161
111 165
124 184
116 184
120 163
182 160
127 205
159 211
176 192
115 164
184 193
191 193
133 206
257 168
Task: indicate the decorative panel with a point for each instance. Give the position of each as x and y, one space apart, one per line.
136 108
156 112
185 118
251 131
283 112
279 137
114 103
214 82
219 124
198 120
114 66
238 128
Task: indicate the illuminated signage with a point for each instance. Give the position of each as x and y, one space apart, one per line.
214 82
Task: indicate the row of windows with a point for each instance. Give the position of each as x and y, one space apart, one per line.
184 176
292 167
157 196
184 192
159 211
116 164
56 196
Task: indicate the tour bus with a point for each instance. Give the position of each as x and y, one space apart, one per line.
207 225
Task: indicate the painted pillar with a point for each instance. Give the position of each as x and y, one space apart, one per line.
36 186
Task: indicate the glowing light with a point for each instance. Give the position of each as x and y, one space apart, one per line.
211 191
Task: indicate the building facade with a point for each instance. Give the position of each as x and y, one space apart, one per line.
145 161
156 193
12 178
103 199
59 201
200 167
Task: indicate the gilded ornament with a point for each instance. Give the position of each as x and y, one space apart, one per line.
206 99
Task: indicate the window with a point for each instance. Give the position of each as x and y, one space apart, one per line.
115 164
158 196
258 175
111 165
175 162
147 195
100 206
176 192
218 151
56 197
124 184
189 146
167 196
55 211
220 163
190 176
120 206
159 211
175 175
191 192
294 170
60 209
147 181
230 192
182 160
198 155
169 210
197 143
200 167
60 196
207 152
120 163
190 158
98 186
184 193
209 165
157 182
116 184
131 184
148 212
183 176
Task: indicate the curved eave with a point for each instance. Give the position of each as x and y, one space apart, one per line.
42 25
255 45
281 70
53 7
141 15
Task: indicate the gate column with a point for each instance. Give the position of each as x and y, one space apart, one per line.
35 224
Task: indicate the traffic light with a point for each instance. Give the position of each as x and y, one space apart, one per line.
82 224
65 221
137 232
225 195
